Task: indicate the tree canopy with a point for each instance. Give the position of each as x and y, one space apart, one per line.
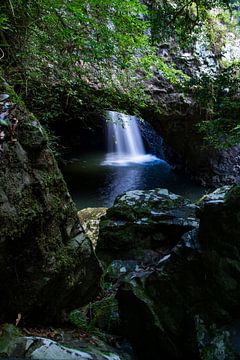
72 48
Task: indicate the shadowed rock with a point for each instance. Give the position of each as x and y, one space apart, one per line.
181 307
47 265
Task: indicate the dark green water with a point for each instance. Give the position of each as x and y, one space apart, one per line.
94 185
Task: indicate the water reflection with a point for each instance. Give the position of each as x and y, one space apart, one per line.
120 180
93 185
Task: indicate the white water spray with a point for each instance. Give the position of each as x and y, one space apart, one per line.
125 145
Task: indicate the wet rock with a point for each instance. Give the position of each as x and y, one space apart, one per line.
190 240
47 265
3 97
208 166
140 221
180 307
153 142
39 348
121 267
234 330
90 219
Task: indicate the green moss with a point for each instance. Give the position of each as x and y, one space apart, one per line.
28 206
79 319
5 87
97 317
9 334
105 314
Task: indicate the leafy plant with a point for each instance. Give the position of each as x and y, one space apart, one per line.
220 106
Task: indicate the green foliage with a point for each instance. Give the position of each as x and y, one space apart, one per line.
220 106
180 17
65 55
79 319
76 54
102 315
9 333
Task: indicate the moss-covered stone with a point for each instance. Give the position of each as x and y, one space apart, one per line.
47 265
8 339
101 315
141 220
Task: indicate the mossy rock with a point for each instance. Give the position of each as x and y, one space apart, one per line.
8 343
144 220
47 264
101 315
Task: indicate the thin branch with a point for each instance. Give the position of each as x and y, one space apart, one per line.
11 5
2 54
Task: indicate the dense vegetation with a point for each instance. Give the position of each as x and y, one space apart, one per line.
64 55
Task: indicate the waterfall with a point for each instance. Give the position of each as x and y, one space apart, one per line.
125 144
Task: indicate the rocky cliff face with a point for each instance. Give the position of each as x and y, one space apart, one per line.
174 114
47 265
184 146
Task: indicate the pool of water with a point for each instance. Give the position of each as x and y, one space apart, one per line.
93 184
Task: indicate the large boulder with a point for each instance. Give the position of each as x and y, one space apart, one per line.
47 265
159 308
144 220
180 307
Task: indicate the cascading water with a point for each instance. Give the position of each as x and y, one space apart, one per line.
125 144
96 183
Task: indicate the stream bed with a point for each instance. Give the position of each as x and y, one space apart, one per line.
93 184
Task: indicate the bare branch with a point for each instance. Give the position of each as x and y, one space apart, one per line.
2 54
12 8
